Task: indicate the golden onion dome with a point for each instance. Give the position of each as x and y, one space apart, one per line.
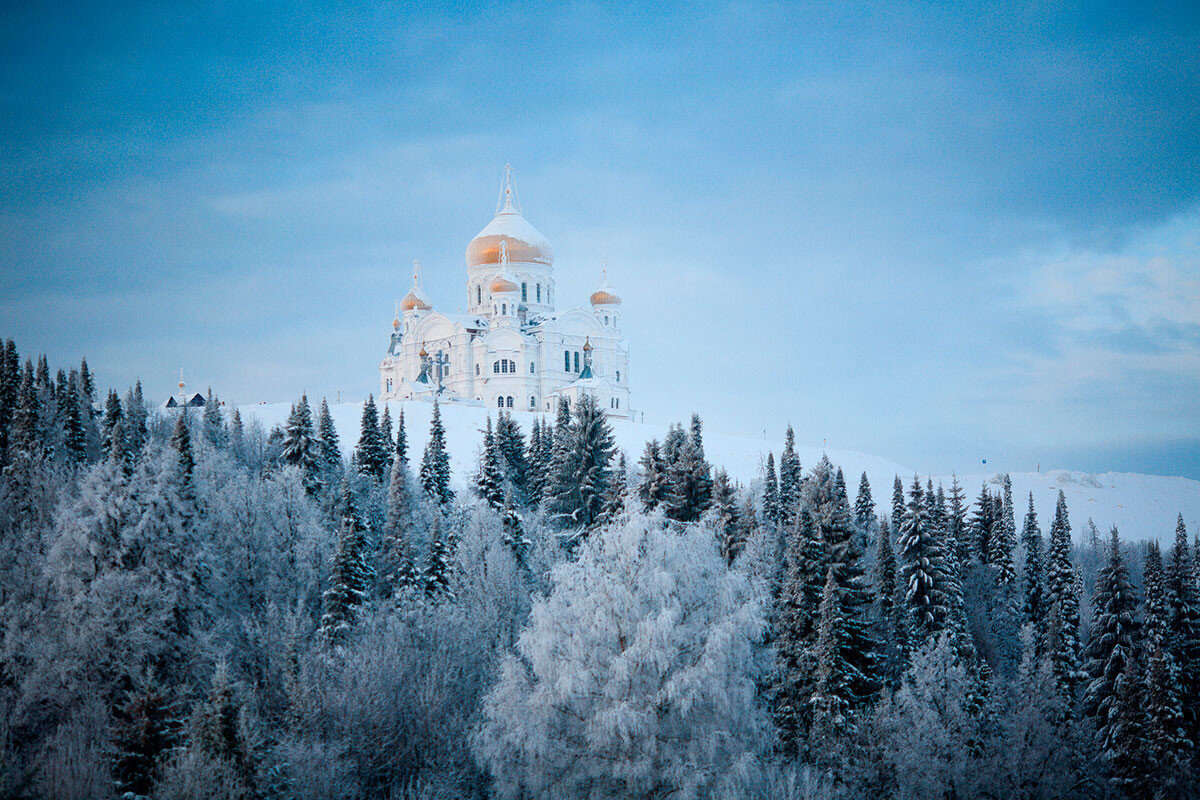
587 345
415 300
604 295
526 245
424 353
395 323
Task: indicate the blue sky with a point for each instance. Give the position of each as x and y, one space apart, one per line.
937 232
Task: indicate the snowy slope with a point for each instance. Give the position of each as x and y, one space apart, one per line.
1142 506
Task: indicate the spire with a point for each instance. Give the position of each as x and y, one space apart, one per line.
396 319
416 273
510 201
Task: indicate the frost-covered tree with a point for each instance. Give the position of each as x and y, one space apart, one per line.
536 463
957 527
1110 649
371 453
864 505
435 463
898 507
1062 598
1033 609
770 491
489 481
580 482
832 699
212 421
401 441
790 478
922 568
1004 538
796 615
730 533
147 727
981 523
636 676
436 575
398 573
350 575
890 623
329 449
300 448
385 437
511 445
689 477
1183 636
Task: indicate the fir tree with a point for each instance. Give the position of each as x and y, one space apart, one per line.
1004 538
435 463
889 615
489 482
1034 607
1183 642
437 571
329 449
797 612
922 568
511 446
350 576
1063 600
10 381
981 523
864 505
689 477
831 700
614 505
371 454
899 507
580 483
110 423
402 442
300 448
385 437
1157 613
398 569
535 464
513 532
147 728
790 476
956 517
217 728
730 535
771 491
213 422
74 440
1124 743
1110 648
181 442
1167 743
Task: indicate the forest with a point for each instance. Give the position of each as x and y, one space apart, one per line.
192 606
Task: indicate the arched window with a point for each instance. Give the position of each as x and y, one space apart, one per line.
539 293
566 360
478 293
504 309
532 402
577 361
618 402
476 369
532 370
499 402
618 376
524 292
606 319
496 367
510 401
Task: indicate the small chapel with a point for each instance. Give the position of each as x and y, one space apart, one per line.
512 349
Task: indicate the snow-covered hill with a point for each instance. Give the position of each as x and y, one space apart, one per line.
1142 506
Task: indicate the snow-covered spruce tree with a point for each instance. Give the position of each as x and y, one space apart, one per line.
652 488
689 477
350 575
832 700
1156 617
1004 538
790 478
1125 747
560 443
922 568
136 431
511 444
618 488
1169 749
111 421
217 734
730 535
898 507
514 536
636 676
1033 609
1062 600
435 463
864 505
535 465
370 454
385 436
580 482
770 491
329 449
981 522
796 615
956 517
401 453
889 618
212 422
300 447
436 575
824 495
489 481
74 437
147 727
1183 636
1110 648
397 572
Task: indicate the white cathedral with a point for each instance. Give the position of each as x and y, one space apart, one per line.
511 349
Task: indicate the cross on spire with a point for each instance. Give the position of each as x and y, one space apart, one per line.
509 201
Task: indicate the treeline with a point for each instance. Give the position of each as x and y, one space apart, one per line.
197 607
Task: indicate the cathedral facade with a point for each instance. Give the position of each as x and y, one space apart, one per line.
512 349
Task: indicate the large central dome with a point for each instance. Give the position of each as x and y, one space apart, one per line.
525 243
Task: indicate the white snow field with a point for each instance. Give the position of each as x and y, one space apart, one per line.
1141 506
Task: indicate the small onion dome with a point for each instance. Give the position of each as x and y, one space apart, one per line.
605 296
415 300
395 323
587 345
502 283
424 353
